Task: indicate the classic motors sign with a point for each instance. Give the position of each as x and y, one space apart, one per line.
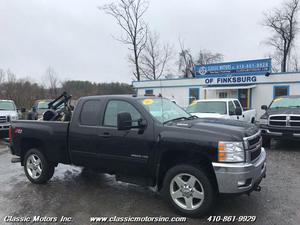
246 68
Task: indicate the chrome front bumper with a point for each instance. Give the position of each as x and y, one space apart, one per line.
267 132
240 177
4 126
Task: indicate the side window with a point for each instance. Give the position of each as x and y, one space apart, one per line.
237 104
116 106
90 113
231 108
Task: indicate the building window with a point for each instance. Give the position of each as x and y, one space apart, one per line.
149 92
223 94
281 91
194 94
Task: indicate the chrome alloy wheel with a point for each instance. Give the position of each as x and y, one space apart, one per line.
186 191
34 166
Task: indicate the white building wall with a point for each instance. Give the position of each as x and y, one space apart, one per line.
295 88
262 93
179 94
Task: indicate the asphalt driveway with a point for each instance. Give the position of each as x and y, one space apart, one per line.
82 194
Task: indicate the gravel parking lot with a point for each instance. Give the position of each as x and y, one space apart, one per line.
81 194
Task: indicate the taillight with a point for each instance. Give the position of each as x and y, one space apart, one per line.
10 135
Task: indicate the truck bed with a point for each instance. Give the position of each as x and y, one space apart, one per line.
52 134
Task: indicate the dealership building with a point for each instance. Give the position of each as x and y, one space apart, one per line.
249 81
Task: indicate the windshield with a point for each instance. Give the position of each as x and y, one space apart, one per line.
285 103
163 109
9 106
207 107
43 104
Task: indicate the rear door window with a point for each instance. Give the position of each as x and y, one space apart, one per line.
90 113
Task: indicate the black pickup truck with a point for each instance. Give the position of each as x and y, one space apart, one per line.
281 119
147 141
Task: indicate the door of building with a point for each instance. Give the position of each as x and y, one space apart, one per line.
244 98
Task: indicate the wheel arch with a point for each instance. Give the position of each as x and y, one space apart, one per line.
170 159
29 143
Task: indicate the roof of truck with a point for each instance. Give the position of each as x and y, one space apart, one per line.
289 96
5 100
121 96
216 100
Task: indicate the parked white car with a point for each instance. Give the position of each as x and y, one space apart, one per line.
8 113
227 108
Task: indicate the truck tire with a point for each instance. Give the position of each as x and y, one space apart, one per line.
266 142
189 190
37 168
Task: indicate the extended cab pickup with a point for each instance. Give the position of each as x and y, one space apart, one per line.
148 141
226 108
281 119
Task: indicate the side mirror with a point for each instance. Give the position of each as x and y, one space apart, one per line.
238 112
124 121
264 107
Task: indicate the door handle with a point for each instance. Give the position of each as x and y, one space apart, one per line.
105 135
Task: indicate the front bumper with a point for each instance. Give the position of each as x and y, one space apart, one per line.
280 132
4 130
234 178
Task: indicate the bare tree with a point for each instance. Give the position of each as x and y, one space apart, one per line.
294 63
207 57
186 61
2 76
154 58
283 23
52 82
129 16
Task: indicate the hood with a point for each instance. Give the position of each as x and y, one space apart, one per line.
270 112
209 115
9 113
230 129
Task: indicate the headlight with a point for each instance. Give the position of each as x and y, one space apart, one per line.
14 118
263 121
231 152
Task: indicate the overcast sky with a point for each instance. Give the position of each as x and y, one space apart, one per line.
75 38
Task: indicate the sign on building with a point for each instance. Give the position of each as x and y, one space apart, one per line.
250 67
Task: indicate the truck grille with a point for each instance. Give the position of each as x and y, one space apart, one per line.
285 120
255 154
254 144
2 119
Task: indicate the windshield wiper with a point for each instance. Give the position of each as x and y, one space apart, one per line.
175 119
193 117
278 107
